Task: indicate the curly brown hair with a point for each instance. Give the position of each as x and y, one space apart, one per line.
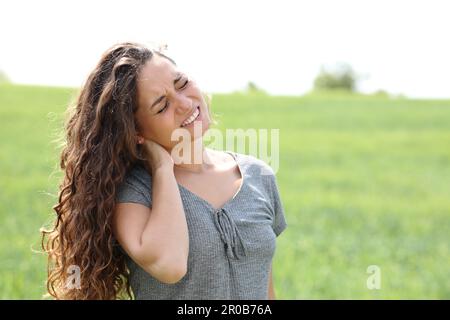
100 148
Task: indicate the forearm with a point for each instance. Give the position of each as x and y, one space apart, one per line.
166 232
271 294
271 291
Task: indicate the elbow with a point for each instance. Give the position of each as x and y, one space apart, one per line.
168 273
175 275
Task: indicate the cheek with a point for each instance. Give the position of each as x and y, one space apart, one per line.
160 128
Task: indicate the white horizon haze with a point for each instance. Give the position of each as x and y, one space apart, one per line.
397 46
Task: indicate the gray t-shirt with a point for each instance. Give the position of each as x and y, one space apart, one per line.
230 249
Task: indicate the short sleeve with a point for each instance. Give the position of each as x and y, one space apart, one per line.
279 220
135 188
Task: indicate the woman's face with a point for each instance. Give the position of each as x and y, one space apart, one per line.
167 98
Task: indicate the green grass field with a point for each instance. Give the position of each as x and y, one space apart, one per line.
364 181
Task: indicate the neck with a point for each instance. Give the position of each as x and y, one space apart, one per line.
196 163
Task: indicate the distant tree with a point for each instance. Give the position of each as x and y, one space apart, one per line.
252 87
340 76
3 77
381 93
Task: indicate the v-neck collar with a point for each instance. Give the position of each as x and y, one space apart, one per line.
236 159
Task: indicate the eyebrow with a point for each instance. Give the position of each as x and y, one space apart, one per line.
178 78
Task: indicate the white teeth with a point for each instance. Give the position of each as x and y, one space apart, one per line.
191 118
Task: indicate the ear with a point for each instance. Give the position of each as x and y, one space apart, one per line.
139 139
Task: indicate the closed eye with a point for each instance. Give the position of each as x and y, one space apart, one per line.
166 105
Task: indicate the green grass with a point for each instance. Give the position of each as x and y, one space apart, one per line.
364 181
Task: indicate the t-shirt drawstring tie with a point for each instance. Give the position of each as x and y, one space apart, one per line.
229 234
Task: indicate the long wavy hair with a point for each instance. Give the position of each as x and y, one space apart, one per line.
100 147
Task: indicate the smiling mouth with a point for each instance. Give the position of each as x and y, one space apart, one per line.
192 118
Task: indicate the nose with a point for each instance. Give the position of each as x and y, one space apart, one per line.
183 104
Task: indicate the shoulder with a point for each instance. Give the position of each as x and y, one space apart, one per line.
137 180
137 174
253 165
135 186
258 174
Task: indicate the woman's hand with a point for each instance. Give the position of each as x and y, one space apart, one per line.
157 156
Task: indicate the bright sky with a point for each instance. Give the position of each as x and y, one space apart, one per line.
396 45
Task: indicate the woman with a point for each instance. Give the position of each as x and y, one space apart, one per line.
134 220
